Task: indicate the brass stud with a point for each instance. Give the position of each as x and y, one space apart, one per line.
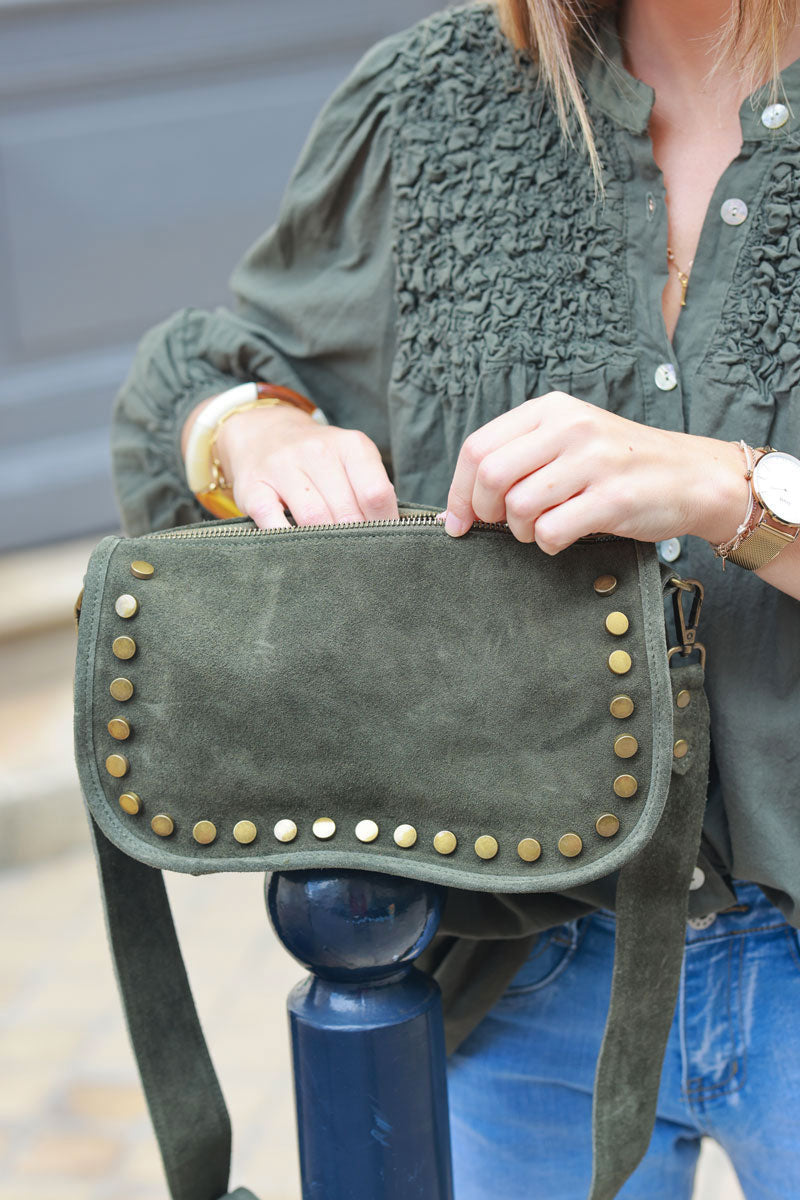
204 832
119 728
683 698
126 606
621 706
619 661
607 825
617 623
323 828
486 846
245 832
405 836
162 825
285 830
445 842
117 765
681 748
529 850
121 688
130 803
605 585
143 570
570 845
625 746
626 786
124 647
367 831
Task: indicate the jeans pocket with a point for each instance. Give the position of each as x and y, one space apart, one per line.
552 953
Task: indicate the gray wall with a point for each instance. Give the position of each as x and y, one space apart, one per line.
128 188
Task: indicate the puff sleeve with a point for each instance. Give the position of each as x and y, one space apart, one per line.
314 308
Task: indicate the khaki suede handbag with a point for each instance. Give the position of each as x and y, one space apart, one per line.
468 712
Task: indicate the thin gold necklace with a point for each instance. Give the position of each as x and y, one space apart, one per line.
683 276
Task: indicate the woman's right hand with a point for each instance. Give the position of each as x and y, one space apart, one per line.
278 457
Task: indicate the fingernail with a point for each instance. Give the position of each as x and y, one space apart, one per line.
440 516
455 526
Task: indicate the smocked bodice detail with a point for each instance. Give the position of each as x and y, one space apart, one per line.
758 340
502 253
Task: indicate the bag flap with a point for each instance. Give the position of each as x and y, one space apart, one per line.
375 696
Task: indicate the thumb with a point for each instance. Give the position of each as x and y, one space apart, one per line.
458 517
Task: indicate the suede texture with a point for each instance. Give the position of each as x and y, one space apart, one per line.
186 1105
323 674
362 703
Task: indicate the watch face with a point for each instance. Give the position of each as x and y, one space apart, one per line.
776 480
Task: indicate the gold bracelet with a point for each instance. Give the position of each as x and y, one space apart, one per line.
204 473
218 482
751 516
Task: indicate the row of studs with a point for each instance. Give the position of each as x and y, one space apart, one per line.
124 647
405 836
680 747
622 706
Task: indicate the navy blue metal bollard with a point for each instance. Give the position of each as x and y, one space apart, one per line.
367 1035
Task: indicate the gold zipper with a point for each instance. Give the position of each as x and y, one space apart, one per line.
237 529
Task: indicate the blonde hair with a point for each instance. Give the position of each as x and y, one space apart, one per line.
551 31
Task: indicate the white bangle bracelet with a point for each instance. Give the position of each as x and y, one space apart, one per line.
197 458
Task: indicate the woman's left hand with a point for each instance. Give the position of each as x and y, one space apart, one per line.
556 469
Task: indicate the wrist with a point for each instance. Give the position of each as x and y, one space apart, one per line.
204 473
241 427
722 492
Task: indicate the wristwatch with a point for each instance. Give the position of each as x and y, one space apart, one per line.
775 484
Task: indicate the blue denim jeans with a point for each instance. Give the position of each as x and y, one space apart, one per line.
521 1084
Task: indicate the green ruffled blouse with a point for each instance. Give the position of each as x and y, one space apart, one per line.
440 257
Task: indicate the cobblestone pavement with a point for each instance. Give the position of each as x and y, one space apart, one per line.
73 1125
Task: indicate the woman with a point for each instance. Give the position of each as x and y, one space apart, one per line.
573 338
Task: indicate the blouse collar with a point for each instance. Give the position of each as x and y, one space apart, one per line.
628 101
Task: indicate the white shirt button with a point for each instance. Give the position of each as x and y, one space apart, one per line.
733 212
701 922
670 549
698 879
775 115
666 377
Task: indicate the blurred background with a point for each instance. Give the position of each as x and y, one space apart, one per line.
129 188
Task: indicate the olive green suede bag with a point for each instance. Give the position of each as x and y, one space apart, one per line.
467 712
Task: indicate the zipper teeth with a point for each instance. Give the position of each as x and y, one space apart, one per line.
214 531
236 530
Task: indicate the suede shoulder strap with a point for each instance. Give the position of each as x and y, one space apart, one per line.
186 1104
652 902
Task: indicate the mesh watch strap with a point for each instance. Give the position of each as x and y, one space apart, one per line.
760 547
